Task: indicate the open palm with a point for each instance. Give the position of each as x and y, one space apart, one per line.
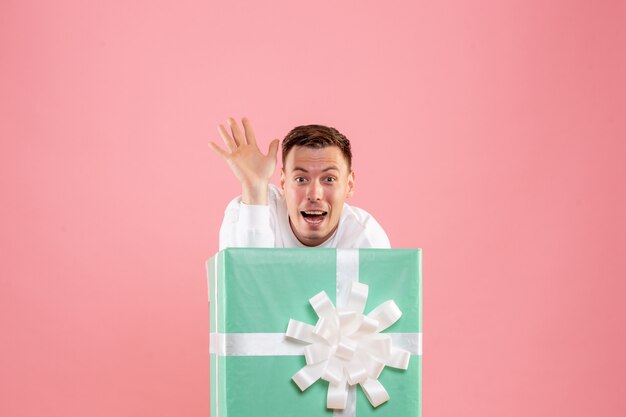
251 167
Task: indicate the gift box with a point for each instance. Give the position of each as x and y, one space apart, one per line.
271 317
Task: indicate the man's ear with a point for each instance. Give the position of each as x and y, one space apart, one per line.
282 179
351 183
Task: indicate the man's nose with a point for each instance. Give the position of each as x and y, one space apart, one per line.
314 191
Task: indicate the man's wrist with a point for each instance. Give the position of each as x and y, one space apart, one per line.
255 194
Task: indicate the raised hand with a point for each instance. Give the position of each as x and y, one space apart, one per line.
252 168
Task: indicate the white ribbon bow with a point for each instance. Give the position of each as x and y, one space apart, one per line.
346 347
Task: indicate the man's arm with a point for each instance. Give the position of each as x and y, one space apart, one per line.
246 226
247 218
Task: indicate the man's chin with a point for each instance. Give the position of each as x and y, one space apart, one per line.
312 234
314 237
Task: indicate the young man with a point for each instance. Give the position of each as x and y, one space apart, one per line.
309 209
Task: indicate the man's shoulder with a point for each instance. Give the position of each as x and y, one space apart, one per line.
361 228
356 214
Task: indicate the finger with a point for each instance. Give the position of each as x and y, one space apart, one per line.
228 141
237 134
273 150
249 133
219 151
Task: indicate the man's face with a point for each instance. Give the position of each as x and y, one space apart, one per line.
316 182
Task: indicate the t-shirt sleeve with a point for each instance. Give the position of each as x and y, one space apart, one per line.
246 226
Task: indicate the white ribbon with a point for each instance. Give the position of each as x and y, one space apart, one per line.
275 344
346 348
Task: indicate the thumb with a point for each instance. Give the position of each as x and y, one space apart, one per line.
273 151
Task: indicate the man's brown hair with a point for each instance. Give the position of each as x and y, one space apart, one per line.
317 136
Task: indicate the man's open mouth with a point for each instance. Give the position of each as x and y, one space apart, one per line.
313 216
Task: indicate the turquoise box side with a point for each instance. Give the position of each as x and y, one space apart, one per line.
259 290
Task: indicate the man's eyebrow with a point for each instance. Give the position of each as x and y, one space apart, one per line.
330 168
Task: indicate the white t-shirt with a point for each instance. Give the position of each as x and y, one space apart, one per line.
253 226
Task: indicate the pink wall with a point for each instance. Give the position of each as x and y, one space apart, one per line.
489 134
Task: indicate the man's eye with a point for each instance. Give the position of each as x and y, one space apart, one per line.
330 179
299 179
